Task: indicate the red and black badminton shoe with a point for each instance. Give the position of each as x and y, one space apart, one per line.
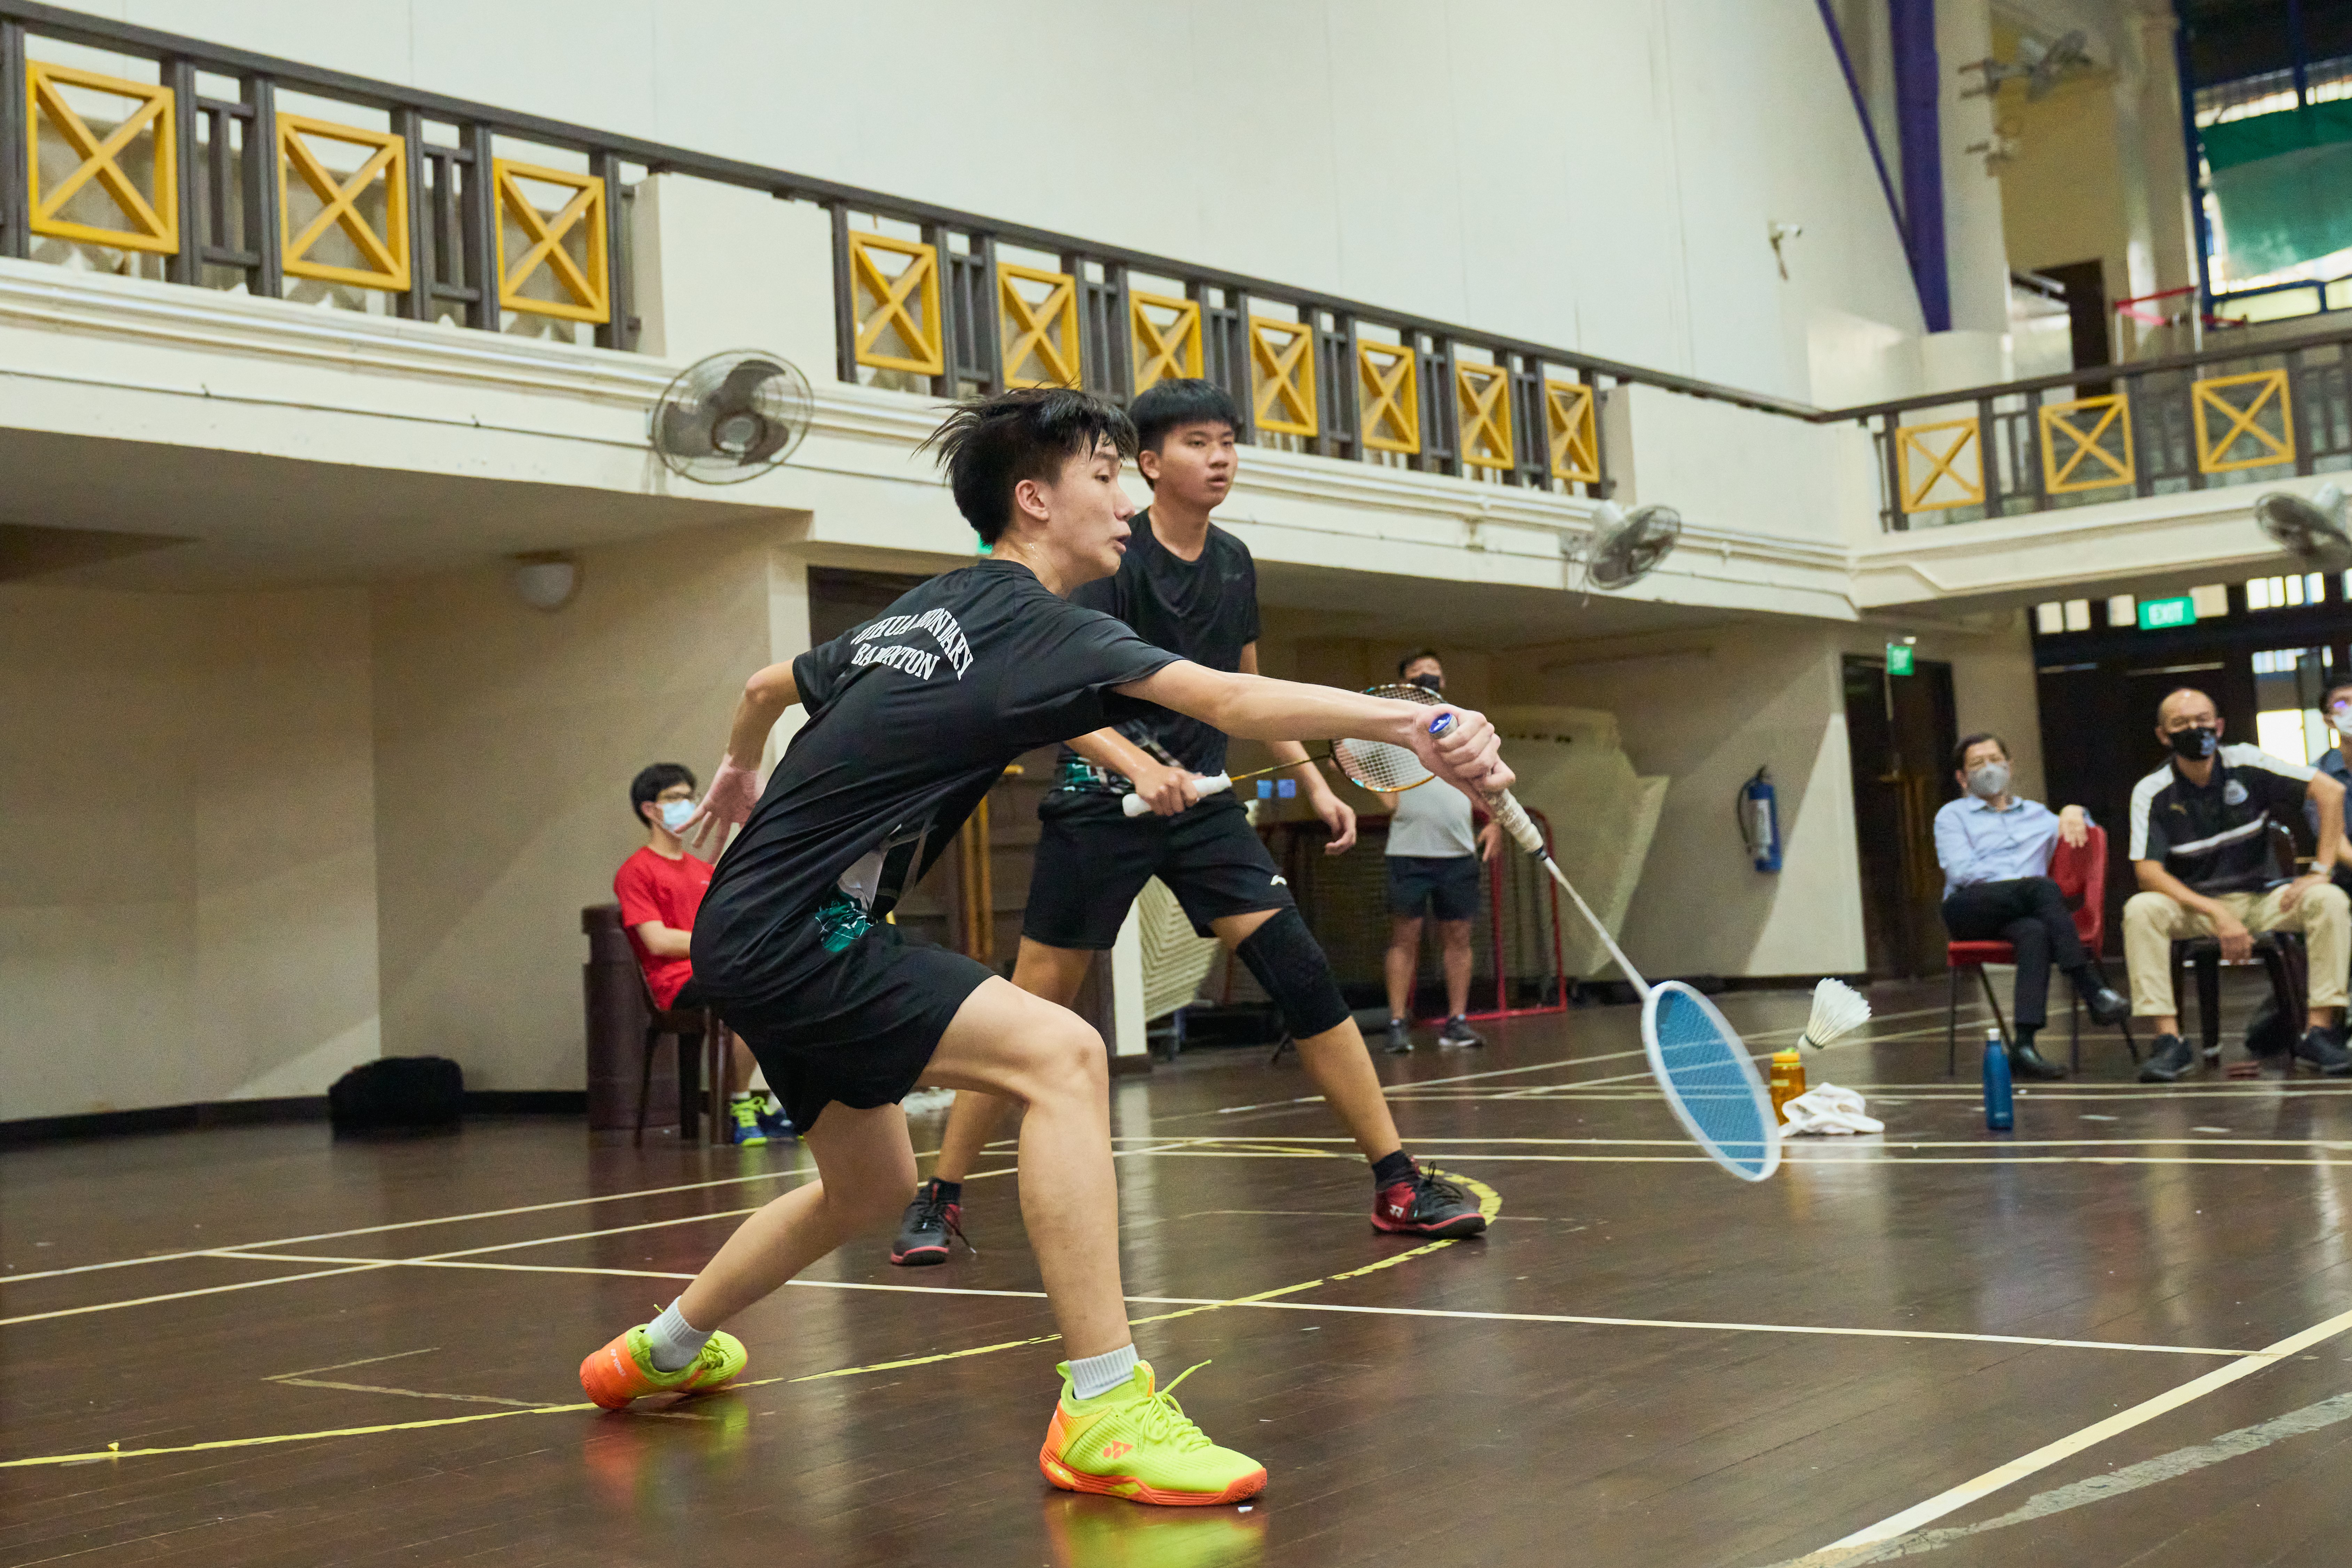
931 1222
1427 1205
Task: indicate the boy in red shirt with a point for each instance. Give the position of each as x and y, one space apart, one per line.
660 888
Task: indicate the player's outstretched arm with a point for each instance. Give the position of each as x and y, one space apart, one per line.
1255 708
735 783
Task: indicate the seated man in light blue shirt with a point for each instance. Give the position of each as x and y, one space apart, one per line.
1995 850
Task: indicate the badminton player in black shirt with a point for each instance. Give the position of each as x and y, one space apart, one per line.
911 717
1189 587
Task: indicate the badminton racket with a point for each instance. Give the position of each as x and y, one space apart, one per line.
1709 1080
1372 764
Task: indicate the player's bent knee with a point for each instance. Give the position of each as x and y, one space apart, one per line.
2149 907
1290 966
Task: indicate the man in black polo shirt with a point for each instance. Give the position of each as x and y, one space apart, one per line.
2201 841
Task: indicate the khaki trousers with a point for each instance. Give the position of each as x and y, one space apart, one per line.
2152 921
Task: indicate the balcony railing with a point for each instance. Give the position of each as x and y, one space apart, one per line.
233 170
2254 415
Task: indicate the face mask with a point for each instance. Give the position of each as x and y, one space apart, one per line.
2195 745
1988 780
1436 683
2341 718
675 813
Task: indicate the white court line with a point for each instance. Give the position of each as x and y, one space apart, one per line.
1848 1547
1586 1319
410 1224
1878 1142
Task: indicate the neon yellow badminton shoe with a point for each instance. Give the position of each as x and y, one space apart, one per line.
625 1369
1136 1442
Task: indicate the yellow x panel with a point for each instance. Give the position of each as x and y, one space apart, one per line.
151 223
1282 371
590 297
1045 331
1481 398
386 253
1164 348
1569 426
1388 378
909 302
1928 454
2100 456
2243 419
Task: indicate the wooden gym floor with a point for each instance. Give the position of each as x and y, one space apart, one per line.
2119 1336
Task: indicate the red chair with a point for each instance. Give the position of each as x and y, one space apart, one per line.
2082 877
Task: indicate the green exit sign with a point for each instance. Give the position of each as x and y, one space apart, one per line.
1898 659
2163 615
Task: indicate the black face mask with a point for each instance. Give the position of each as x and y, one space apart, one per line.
2194 745
1433 684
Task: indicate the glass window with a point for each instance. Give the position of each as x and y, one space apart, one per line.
2078 615
2122 610
2050 618
2211 600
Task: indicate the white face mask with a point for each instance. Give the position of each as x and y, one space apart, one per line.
675 813
2341 718
1988 780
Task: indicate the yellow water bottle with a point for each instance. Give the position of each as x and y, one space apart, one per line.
1788 1081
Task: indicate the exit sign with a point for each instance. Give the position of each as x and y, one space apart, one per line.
1898 659
2163 615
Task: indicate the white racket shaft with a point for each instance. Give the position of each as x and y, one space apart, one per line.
1529 838
1211 784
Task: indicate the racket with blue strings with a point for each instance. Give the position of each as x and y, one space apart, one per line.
1705 1070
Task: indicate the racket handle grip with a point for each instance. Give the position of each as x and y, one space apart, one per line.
1213 783
1516 821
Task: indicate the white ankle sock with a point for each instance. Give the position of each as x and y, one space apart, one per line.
1098 1375
674 1341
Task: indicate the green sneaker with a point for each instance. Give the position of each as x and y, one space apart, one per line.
1137 1444
747 1130
624 1370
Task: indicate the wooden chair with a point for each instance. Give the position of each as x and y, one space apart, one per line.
2082 877
707 1051
2282 953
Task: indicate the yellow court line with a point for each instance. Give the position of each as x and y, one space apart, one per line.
1490 1204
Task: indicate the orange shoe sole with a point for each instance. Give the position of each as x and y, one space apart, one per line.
1134 1491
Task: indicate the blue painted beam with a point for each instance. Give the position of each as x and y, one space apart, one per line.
1919 90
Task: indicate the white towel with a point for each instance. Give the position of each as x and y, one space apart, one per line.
1826 1108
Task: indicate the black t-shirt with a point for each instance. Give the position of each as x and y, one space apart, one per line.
912 717
2217 838
1203 610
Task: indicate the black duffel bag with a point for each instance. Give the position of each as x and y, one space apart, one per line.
398 1094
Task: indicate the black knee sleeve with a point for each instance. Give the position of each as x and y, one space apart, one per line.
1290 965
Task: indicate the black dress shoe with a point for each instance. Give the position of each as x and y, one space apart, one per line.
2169 1057
2024 1061
2107 1006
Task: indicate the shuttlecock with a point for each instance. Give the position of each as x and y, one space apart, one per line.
1837 1009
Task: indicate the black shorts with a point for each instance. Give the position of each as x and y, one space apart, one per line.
857 1025
1446 883
1093 859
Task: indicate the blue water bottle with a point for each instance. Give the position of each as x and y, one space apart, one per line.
2000 1111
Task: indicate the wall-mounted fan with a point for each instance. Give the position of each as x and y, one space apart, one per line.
732 417
2310 531
1625 547
2068 55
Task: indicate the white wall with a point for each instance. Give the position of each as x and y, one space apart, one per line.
506 738
187 862
1596 174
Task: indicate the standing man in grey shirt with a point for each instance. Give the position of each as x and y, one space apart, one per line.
1433 868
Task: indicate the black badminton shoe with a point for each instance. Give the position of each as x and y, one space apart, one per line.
1427 1205
2168 1057
1458 1035
931 1221
1400 1040
2319 1047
